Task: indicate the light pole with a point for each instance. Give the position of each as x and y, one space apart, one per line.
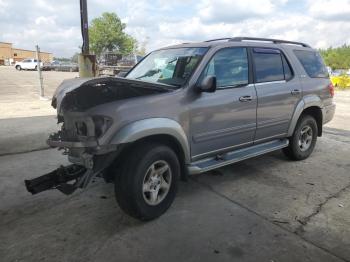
38 60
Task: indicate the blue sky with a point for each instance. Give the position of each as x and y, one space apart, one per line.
55 25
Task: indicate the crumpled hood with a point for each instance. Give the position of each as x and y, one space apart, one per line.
79 94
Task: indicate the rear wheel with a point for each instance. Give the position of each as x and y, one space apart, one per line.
303 140
147 183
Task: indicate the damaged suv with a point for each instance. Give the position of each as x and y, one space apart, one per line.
187 109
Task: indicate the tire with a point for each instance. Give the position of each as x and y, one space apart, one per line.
18 67
138 190
35 68
303 140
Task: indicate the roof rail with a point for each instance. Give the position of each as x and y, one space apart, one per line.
219 39
275 41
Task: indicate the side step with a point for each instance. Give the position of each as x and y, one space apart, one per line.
228 158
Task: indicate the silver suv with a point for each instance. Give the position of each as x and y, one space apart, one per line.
188 109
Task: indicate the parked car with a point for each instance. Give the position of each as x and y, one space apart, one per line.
48 66
61 66
188 109
66 67
28 64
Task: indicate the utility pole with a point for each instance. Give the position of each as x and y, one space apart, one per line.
87 62
39 71
84 26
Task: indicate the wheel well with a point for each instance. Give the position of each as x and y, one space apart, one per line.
161 139
315 112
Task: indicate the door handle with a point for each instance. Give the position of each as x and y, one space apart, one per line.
245 98
295 92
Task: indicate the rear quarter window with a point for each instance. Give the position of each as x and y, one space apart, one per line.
312 63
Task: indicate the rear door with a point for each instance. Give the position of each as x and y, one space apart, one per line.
226 119
278 92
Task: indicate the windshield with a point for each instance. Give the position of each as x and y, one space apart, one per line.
169 66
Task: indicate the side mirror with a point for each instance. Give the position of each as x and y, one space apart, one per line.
208 84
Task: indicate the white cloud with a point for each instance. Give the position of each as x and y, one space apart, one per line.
330 9
233 11
55 25
3 6
319 34
46 20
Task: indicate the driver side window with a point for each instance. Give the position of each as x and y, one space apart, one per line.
230 66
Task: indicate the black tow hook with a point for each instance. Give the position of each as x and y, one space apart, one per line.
57 179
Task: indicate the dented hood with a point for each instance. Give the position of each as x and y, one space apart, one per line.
79 94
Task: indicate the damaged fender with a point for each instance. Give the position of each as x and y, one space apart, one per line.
153 126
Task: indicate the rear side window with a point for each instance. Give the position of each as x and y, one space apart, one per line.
268 65
312 63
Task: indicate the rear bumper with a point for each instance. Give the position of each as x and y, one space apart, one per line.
328 113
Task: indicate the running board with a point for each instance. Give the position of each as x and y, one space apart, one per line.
228 158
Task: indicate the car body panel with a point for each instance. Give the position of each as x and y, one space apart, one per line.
220 120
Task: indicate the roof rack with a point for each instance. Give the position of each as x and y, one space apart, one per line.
219 39
275 41
243 38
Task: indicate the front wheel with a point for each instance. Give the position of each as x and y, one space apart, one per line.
18 67
147 184
303 140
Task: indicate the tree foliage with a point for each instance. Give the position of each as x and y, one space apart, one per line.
337 58
61 59
107 34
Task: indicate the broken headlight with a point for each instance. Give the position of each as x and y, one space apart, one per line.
94 126
102 123
81 128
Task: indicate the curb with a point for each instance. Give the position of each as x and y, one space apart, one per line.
20 135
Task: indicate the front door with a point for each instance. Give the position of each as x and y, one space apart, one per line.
226 119
278 93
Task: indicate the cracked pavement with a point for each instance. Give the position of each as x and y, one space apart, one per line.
264 209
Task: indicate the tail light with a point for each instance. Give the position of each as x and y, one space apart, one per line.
331 89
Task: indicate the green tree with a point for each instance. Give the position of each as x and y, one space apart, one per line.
337 58
107 34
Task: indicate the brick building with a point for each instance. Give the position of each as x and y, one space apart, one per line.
9 54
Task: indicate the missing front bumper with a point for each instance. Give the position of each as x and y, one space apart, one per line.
60 179
69 178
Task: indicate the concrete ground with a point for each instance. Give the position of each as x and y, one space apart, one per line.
263 209
20 90
25 120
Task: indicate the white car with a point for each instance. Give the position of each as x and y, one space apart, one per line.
28 63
